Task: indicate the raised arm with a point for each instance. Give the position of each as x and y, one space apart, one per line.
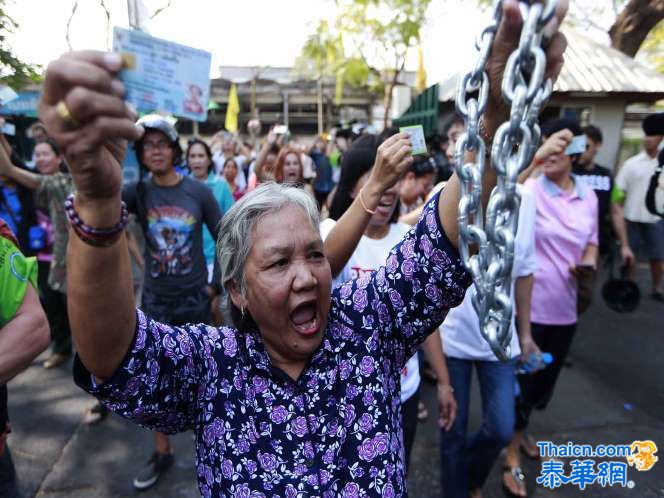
101 309
270 140
29 180
507 39
555 144
392 159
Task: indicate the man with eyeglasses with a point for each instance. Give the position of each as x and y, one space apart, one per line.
171 209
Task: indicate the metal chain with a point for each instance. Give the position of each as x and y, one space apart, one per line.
513 148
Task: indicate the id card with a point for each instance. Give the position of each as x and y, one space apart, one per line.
163 76
576 146
417 140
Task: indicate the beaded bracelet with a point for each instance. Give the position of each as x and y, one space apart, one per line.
97 237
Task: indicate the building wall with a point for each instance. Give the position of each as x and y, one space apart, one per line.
609 117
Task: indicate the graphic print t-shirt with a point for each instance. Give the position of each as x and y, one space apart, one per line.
601 181
369 255
172 218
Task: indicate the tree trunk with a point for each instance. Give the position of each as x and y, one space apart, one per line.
634 23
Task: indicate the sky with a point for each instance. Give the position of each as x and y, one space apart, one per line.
237 32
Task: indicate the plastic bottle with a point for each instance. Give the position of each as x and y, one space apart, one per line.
535 362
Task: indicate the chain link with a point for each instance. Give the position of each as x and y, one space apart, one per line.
513 148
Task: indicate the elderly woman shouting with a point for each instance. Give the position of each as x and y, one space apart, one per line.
302 398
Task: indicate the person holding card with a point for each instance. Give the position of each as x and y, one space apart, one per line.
566 248
302 395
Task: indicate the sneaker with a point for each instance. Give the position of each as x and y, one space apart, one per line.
157 465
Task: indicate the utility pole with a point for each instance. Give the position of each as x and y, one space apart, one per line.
139 16
319 95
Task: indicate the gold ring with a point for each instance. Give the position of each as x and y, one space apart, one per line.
64 113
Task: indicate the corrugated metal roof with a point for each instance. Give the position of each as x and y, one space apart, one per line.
591 68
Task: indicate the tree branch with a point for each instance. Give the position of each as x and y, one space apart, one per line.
71 17
634 23
107 12
160 10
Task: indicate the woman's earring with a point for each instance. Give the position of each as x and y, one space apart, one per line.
242 311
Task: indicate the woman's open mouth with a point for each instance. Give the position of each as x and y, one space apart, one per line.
304 319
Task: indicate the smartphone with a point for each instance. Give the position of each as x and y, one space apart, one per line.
281 130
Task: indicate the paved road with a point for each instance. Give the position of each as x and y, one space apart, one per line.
612 393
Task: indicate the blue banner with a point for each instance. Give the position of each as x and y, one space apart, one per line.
24 105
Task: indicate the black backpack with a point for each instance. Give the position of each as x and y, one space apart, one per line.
655 195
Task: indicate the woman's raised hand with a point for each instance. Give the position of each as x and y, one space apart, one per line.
392 160
555 144
83 109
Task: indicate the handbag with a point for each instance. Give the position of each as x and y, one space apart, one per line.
622 295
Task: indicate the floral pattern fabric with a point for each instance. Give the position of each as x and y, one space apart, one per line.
336 430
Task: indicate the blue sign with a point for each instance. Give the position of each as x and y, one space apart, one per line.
25 105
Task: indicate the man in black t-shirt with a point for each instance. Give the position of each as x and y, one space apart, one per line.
171 209
600 180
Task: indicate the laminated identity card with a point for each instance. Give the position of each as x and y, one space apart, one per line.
416 134
160 75
576 146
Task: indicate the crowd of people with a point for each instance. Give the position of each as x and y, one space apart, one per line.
284 299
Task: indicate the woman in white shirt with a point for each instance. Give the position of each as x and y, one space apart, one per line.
359 241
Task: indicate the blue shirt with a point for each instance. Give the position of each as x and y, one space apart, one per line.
222 193
10 208
336 431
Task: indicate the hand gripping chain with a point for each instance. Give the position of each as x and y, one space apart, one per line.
513 148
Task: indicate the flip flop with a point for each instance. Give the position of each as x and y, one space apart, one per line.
517 474
422 412
526 449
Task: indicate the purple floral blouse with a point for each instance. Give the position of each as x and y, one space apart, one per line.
335 431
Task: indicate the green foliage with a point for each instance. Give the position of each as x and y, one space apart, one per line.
653 47
367 43
13 71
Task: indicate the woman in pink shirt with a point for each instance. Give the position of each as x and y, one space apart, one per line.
565 244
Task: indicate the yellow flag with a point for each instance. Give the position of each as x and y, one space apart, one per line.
421 81
232 110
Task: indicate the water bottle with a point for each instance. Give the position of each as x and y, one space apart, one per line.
535 362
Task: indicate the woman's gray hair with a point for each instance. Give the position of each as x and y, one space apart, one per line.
234 243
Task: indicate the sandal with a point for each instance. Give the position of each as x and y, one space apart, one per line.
95 414
518 476
529 448
422 412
